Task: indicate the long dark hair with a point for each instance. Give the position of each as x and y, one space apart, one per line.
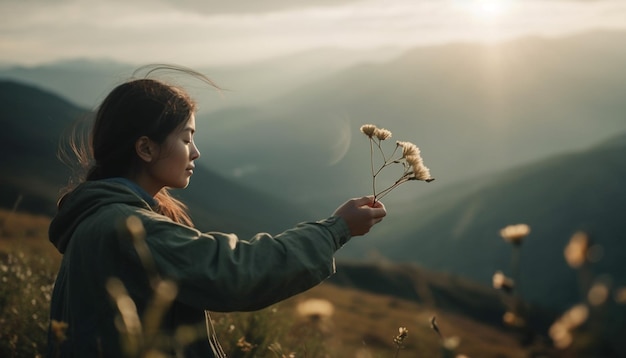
135 108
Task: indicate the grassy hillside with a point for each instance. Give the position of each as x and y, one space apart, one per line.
358 312
440 290
358 322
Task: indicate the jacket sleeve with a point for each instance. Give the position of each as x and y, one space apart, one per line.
220 272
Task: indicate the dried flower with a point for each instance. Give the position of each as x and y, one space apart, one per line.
501 282
410 159
420 171
403 332
560 335
368 129
59 330
382 133
244 345
413 160
513 319
315 309
561 329
598 294
408 149
451 343
515 233
575 316
576 250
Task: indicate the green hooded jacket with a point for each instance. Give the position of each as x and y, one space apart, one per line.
211 271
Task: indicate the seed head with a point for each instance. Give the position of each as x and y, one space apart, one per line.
315 309
576 251
513 319
421 172
515 233
369 130
382 133
561 329
408 149
403 332
501 282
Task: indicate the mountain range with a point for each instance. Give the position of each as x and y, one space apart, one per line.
471 108
512 132
86 81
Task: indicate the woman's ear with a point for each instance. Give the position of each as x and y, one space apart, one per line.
145 149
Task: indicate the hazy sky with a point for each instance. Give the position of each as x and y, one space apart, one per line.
204 32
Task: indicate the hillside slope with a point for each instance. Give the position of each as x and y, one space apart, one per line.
33 122
456 229
360 320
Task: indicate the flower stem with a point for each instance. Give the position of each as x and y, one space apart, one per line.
390 188
372 168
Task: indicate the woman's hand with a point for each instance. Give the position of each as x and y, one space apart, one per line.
361 214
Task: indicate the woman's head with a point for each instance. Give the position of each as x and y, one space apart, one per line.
135 109
142 130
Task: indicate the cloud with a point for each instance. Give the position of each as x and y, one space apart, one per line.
200 32
253 6
213 7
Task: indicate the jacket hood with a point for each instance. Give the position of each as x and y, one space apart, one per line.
85 200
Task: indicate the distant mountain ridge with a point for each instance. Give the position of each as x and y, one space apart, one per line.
85 82
471 108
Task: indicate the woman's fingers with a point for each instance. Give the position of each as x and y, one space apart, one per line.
361 214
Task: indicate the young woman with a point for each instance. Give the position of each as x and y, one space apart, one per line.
141 144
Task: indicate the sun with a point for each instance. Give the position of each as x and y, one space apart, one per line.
489 9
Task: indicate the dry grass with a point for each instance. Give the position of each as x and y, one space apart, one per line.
26 231
361 324
368 322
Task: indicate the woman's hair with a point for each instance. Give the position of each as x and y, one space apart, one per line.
136 108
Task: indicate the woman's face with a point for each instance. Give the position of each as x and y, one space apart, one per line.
175 161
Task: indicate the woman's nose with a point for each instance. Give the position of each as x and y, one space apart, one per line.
195 153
